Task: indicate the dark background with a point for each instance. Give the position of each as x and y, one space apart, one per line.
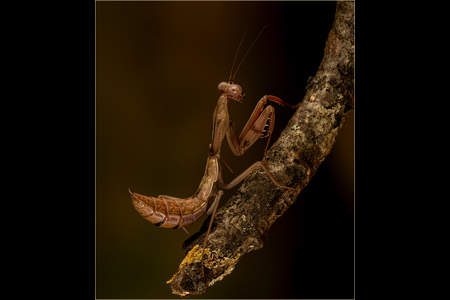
158 65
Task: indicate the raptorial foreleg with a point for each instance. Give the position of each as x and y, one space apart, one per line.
259 125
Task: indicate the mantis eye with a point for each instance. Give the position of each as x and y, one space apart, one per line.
235 90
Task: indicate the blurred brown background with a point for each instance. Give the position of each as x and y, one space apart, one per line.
158 65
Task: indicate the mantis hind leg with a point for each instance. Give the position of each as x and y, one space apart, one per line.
185 230
215 205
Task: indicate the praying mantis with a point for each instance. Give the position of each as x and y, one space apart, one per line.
172 212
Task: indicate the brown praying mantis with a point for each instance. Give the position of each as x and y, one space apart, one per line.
172 212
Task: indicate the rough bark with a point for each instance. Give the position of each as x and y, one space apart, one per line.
240 226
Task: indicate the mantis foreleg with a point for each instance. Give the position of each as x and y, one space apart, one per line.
255 128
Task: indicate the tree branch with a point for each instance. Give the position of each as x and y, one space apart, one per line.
241 225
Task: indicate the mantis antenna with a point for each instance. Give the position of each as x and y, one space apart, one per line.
231 72
247 52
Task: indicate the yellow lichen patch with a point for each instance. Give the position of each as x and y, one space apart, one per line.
195 255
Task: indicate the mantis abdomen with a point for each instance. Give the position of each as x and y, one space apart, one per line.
169 213
172 212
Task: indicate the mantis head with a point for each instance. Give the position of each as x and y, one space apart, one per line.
232 91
